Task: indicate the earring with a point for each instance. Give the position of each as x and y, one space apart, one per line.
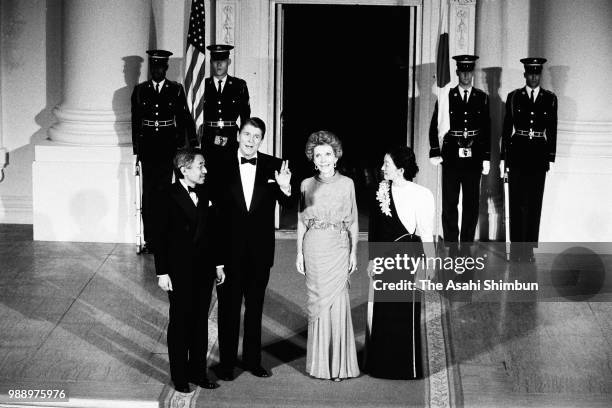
334 165
316 167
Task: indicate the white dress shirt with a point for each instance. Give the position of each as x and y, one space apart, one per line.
192 194
415 209
161 84
462 92
536 91
223 81
247 176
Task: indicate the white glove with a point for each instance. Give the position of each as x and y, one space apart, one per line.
164 282
486 166
435 160
502 168
220 275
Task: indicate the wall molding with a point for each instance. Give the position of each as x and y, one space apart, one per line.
87 127
462 28
584 139
227 27
15 209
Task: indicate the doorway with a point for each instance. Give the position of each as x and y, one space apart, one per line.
345 68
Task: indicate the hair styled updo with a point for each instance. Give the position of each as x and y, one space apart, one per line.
403 158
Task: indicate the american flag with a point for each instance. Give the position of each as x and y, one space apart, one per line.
194 66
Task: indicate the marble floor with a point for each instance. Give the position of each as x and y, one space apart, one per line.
553 349
89 319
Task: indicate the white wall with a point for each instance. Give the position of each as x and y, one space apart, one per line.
576 38
31 83
30 87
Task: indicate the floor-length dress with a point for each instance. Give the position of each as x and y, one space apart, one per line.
394 343
327 209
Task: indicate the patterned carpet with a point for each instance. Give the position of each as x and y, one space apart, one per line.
285 350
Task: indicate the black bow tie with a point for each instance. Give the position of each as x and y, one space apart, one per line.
252 161
191 189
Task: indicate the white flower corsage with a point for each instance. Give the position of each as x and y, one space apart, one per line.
382 196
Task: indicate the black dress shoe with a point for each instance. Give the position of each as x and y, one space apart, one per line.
147 249
204 382
259 371
225 374
184 388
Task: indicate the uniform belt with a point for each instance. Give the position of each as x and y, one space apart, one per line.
157 123
464 133
530 133
220 123
324 225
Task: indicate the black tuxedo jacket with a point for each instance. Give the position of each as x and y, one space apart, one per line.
471 116
247 231
183 232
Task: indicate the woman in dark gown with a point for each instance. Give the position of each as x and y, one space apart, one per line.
402 212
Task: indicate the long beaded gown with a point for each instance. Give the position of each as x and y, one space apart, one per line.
327 209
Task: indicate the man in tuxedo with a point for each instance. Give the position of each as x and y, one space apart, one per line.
185 267
529 145
161 123
247 186
464 155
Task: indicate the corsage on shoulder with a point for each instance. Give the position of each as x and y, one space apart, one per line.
383 198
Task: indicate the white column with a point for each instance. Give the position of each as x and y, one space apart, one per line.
576 37
98 34
82 178
3 151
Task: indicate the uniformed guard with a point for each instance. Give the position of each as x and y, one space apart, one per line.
226 99
464 155
160 124
529 142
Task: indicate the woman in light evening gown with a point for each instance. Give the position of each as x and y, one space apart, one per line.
402 211
326 254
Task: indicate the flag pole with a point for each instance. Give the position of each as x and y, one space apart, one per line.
442 90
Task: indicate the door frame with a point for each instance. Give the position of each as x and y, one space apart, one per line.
275 47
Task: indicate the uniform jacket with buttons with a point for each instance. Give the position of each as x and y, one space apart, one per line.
471 116
169 104
231 104
540 116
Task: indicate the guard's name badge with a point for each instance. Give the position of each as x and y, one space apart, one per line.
220 140
465 152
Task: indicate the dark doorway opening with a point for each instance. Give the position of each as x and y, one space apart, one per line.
345 69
